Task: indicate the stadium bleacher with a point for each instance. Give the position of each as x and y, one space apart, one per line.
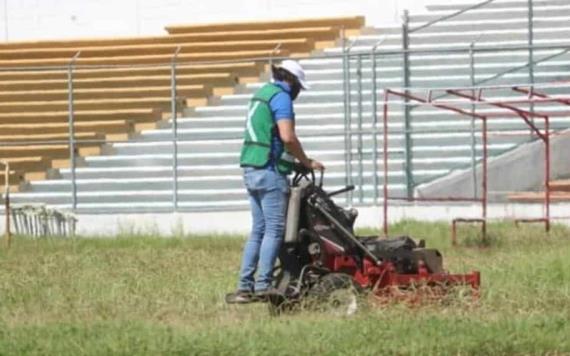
137 175
114 103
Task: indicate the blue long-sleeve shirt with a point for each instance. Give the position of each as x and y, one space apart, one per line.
282 109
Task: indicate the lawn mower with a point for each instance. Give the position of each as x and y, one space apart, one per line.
322 260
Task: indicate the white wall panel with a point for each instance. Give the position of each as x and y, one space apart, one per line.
48 19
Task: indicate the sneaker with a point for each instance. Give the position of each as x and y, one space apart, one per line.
266 294
239 297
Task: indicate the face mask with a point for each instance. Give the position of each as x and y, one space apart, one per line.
295 90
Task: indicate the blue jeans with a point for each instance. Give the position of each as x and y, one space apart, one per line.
268 191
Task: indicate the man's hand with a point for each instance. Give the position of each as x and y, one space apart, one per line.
315 165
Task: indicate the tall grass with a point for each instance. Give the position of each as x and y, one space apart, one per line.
144 295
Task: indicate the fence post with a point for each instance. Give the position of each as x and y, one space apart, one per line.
360 141
375 122
473 138
407 113
174 111
347 115
531 52
530 42
71 124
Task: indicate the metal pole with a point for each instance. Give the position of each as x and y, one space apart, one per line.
71 124
375 122
547 171
385 154
347 115
531 51
473 138
349 124
407 113
174 130
484 179
345 104
360 163
7 233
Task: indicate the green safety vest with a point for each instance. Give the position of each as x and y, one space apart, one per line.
259 132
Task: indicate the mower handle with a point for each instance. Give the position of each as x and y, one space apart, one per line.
302 171
340 191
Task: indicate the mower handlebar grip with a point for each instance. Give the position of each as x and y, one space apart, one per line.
340 191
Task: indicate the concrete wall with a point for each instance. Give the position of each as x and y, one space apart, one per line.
53 19
238 222
519 170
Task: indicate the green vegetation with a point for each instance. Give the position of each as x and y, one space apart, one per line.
144 295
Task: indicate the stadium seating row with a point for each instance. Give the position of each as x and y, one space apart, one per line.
123 85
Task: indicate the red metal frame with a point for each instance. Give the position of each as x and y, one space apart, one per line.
385 281
382 278
532 97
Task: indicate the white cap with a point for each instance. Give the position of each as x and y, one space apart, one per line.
295 68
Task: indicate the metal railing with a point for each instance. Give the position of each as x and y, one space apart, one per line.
40 221
361 127
450 16
406 31
354 124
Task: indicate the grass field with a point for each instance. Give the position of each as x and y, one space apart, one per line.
142 295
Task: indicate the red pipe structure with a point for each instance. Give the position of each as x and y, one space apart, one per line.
533 97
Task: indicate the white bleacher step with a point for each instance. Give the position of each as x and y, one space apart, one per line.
138 196
139 184
456 38
491 13
334 164
191 160
144 187
328 84
424 119
456 45
330 143
135 150
238 202
236 110
481 58
417 126
450 38
160 159
481 68
312 143
436 80
328 130
464 150
516 23
163 171
521 4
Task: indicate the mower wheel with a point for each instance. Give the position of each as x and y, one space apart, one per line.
279 304
335 293
285 272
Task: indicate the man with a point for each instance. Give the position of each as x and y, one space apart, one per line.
267 157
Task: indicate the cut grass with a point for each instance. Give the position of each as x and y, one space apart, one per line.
144 295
